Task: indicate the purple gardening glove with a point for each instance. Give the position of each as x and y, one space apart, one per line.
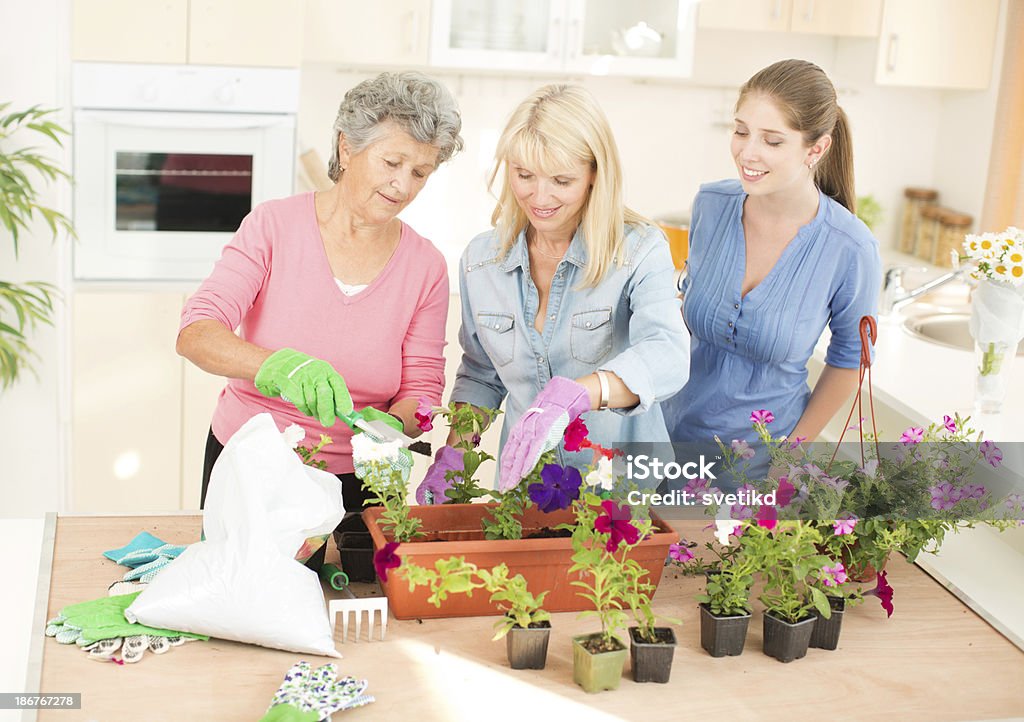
540 428
434 485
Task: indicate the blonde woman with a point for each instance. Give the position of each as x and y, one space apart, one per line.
568 302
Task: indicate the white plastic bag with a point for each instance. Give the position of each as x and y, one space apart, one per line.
242 582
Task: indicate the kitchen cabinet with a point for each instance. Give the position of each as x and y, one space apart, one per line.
644 38
818 17
201 32
937 43
360 33
140 413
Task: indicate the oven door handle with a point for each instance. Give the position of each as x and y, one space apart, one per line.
191 121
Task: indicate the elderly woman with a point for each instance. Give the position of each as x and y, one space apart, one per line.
339 304
568 303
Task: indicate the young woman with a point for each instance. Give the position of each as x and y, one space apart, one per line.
568 304
775 257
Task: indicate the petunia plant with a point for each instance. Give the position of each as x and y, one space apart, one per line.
384 470
603 536
463 458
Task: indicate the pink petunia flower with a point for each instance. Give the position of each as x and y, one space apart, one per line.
742 449
795 442
950 423
697 487
944 496
913 435
767 517
991 453
385 559
679 553
844 525
972 491
424 414
616 521
833 576
575 433
785 493
762 416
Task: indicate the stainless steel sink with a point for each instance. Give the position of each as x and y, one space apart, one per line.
945 329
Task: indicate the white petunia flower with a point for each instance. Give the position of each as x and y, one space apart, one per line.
724 527
293 435
365 450
601 475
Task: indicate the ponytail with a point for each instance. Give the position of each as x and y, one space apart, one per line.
834 174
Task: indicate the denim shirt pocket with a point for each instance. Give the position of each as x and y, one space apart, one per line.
496 332
590 338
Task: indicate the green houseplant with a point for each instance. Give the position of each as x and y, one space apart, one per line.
24 306
603 536
525 626
725 606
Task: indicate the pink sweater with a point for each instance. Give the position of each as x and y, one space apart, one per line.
273 279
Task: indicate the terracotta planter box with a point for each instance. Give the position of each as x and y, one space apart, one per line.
455 530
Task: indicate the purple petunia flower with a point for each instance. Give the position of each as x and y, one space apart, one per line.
944 496
884 592
574 434
616 521
991 453
795 442
767 517
385 559
950 423
762 416
559 487
913 435
698 487
785 493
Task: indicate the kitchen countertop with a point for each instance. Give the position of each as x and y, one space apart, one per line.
933 659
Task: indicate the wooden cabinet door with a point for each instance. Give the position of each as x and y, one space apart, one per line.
937 43
246 32
357 32
852 18
129 31
126 402
762 15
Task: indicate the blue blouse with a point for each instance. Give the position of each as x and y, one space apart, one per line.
628 324
751 352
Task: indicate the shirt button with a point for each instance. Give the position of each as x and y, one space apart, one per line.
730 324
589 324
540 359
551 317
735 305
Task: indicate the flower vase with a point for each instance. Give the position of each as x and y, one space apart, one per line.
997 325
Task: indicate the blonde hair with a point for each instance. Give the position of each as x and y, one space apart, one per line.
807 98
554 129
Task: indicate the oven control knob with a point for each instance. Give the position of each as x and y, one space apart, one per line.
149 93
226 94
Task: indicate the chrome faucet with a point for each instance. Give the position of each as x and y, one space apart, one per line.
895 296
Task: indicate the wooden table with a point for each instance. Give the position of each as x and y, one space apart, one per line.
934 659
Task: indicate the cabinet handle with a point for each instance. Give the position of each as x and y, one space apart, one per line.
809 13
555 36
892 52
777 10
414 31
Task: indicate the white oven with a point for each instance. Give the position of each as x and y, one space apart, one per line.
169 159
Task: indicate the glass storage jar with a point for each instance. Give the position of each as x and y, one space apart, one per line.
915 199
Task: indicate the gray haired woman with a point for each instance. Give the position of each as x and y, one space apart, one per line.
339 304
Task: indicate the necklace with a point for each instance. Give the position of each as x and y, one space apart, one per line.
536 246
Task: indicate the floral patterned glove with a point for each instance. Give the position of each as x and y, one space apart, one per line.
308 695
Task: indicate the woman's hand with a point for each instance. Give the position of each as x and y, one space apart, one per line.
312 385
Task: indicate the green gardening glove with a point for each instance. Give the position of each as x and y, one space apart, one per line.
311 384
102 619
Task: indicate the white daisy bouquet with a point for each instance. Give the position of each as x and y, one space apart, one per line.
997 306
996 256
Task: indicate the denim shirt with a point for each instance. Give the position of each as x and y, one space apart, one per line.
629 324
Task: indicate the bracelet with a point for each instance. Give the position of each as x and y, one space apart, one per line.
602 378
